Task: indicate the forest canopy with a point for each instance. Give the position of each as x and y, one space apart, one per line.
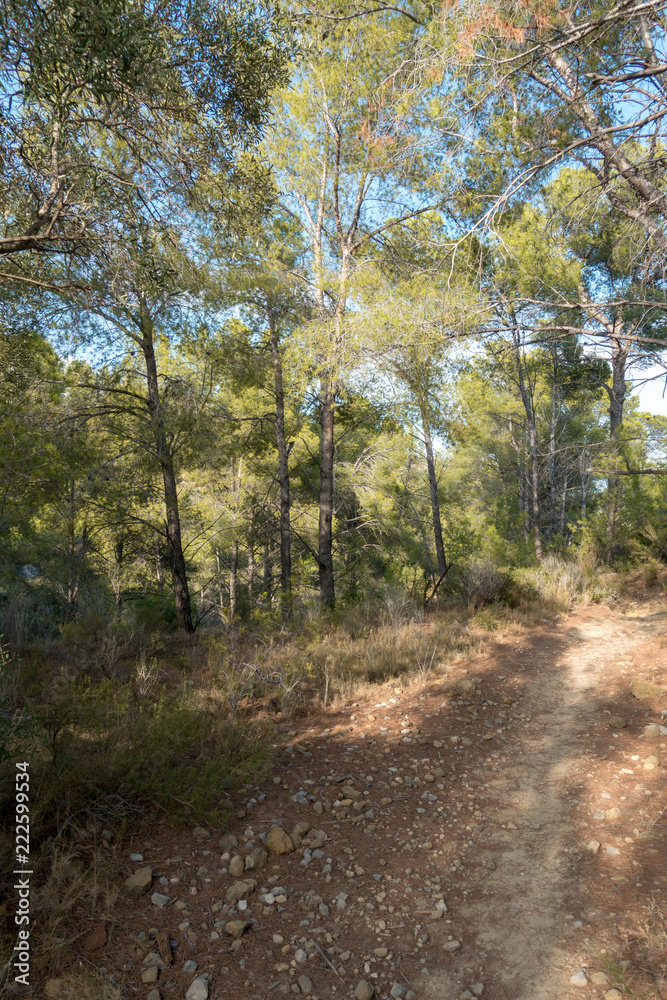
302 305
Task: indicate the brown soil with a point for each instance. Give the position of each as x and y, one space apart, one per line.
530 767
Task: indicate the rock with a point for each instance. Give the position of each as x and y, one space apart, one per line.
236 866
228 842
154 995
139 883
256 860
652 732
610 849
318 808
613 995
53 989
197 990
300 955
164 947
579 978
200 833
451 946
614 813
593 846
644 689
136 857
189 967
153 959
96 939
364 991
617 722
398 991
236 928
341 901
651 763
159 899
279 842
599 979
240 890
478 989
150 975
305 985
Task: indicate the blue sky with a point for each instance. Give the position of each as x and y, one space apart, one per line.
650 394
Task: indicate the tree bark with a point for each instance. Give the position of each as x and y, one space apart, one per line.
268 575
118 569
325 527
166 460
76 557
534 452
221 589
433 486
283 469
553 492
159 576
619 358
535 490
251 567
233 575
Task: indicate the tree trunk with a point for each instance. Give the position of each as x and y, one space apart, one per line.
117 576
283 469
166 460
535 490
619 358
553 493
526 398
268 575
563 504
325 528
584 477
76 556
159 576
251 567
433 485
221 589
233 575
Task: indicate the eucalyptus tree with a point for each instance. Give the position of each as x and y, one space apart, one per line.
348 164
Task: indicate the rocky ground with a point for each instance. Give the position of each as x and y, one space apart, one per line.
497 830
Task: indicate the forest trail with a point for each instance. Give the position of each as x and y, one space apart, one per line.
486 827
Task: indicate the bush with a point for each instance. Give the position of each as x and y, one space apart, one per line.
481 582
650 571
557 580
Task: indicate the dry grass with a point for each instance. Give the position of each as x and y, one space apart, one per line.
344 664
89 985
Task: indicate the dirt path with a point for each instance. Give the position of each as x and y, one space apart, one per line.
522 912
448 847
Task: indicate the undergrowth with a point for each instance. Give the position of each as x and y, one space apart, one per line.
121 727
